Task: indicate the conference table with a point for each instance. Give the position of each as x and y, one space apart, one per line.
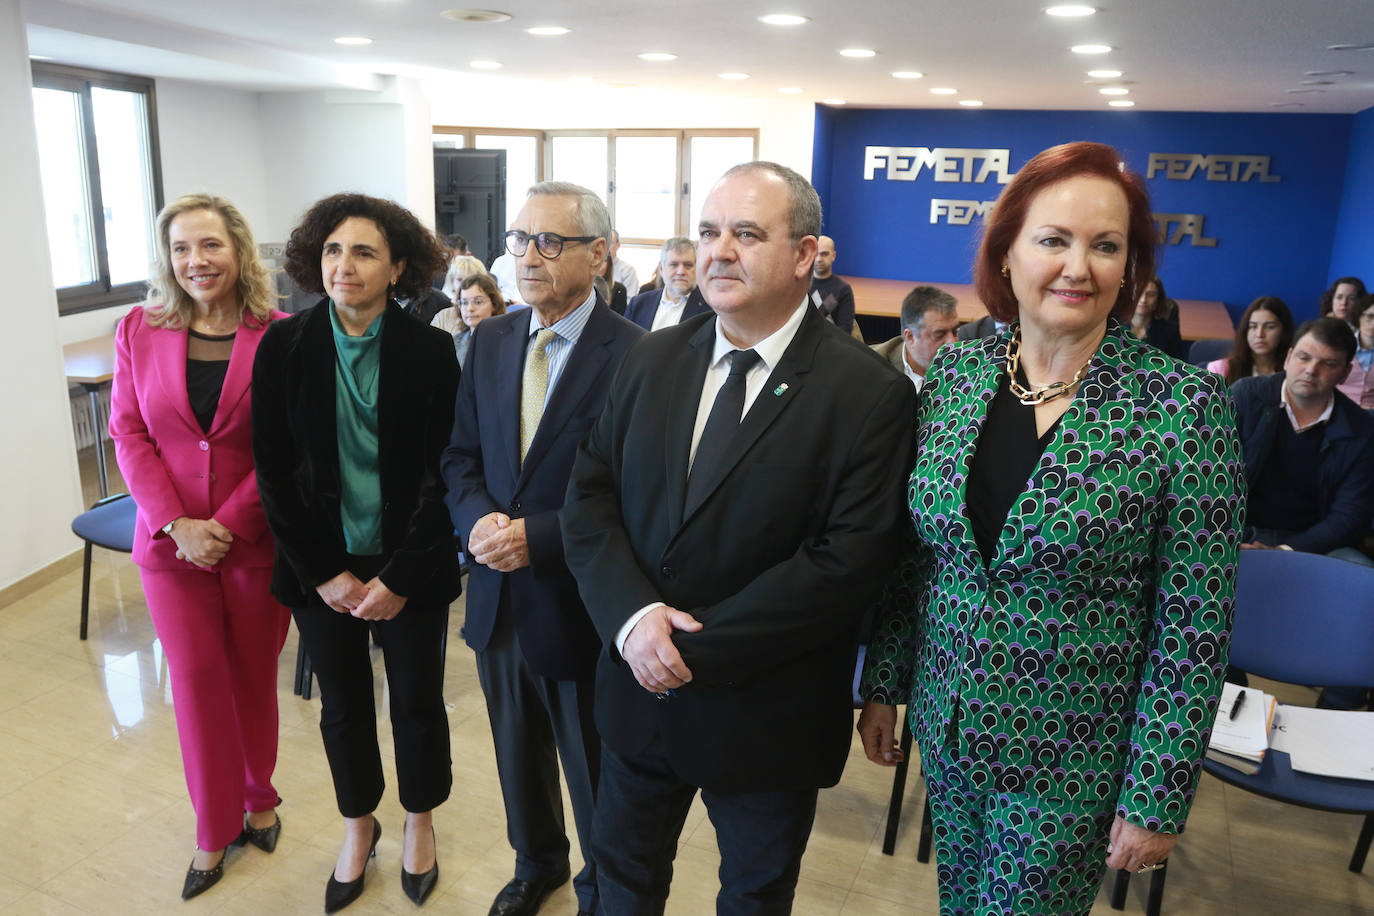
1198 319
90 364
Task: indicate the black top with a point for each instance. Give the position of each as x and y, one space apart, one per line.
1287 494
1003 461
205 373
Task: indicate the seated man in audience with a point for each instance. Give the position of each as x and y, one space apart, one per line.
928 323
829 293
1309 457
624 271
679 298
983 327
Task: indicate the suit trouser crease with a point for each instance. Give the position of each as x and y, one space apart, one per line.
222 632
641 808
339 649
535 721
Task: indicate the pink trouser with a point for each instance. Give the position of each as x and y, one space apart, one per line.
222 632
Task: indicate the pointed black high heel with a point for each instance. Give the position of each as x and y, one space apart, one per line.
265 838
419 887
339 894
198 881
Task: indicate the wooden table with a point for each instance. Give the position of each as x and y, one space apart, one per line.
1198 319
90 364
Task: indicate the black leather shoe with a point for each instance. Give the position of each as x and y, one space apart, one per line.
198 881
522 898
419 887
339 894
265 838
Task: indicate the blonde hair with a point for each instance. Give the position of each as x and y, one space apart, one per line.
171 306
459 269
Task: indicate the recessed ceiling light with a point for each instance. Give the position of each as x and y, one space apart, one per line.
1091 49
477 16
783 19
1121 103
657 56
907 74
485 64
1104 74
1070 11
1329 73
733 76
548 30
971 103
857 52
1286 105
1316 83
833 101
1115 90
353 41
1366 46
1304 91
791 90
944 90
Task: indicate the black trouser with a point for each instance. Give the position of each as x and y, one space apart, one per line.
338 647
534 721
640 809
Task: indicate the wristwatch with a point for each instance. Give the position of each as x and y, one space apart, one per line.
167 528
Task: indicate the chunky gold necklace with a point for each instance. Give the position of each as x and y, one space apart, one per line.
1033 397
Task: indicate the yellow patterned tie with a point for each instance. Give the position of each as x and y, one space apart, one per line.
534 385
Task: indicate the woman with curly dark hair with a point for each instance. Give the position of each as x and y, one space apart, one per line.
1263 336
1340 296
352 405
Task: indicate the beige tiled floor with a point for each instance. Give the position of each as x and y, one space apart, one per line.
94 817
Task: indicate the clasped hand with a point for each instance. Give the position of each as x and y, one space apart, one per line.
347 594
201 542
498 541
650 653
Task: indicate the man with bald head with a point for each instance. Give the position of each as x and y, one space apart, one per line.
729 518
829 293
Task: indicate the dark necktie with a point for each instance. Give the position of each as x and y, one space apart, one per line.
721 425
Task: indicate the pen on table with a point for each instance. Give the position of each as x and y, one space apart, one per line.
1235 707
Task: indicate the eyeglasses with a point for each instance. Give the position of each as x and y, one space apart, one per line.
548 244
474 301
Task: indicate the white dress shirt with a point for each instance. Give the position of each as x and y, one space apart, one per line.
503 272
625 273
669 310
770 351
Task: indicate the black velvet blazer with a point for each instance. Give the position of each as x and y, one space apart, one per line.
296 451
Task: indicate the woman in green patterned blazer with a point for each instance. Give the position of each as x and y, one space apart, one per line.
1060 627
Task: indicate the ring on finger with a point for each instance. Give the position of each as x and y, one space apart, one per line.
1144 868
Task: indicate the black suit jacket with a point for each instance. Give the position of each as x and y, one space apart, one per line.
296 451
644 307
778 562
484 474
976 330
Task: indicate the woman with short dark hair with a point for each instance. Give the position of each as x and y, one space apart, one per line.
353 402
1340 296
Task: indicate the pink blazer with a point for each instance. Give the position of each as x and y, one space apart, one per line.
171 466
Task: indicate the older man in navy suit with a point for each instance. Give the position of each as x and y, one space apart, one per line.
679 299
536 379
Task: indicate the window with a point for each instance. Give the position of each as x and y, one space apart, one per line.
102 188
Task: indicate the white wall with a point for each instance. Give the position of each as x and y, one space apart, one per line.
39 483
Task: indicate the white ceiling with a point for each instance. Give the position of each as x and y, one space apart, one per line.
1178 55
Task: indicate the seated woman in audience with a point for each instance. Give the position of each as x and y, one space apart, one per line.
1263 336
352 407
478 297
1359 384
179 419
459 269
611 290
1342 294
1152 327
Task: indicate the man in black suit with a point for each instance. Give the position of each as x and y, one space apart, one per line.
728 520
679 299
536 380
983 327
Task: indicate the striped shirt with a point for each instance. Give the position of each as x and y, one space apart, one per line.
567 330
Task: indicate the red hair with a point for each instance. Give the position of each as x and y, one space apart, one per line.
1068 160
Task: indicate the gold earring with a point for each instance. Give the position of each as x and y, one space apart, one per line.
1006 271
1123 282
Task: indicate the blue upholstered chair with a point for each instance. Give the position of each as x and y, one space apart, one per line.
109 524
1203 352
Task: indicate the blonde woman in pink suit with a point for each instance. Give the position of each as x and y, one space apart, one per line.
180 423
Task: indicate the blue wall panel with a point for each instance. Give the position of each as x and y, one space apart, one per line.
1272 238
1352 254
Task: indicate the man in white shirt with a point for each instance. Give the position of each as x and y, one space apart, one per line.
679 299
623 271
929 321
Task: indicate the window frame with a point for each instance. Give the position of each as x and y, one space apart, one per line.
100 293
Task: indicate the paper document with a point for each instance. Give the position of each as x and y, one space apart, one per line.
1327 742
1247 734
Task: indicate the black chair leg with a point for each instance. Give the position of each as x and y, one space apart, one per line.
1362 844
85 589
894 805
1156 898
1123 881
927 831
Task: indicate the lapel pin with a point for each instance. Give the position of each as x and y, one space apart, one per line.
777 392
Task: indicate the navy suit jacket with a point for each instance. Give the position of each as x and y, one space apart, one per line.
484 474
644 307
